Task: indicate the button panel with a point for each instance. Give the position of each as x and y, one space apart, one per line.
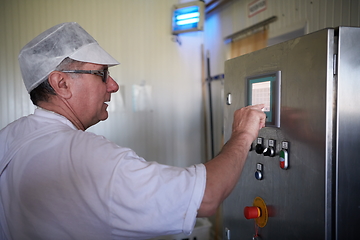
271 150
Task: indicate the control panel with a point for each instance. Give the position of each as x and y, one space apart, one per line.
269 155
270 150
304 163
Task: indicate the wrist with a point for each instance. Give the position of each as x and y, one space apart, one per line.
244 137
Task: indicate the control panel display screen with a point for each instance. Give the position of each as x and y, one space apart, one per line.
265 89
260 93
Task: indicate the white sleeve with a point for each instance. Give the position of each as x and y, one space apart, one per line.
148 197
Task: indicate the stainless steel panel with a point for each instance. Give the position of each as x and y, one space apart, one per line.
296 198
348 161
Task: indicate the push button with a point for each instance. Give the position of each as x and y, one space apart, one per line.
258 175
284 159
257 211
251 212
284 156
259 148
270 151
259 171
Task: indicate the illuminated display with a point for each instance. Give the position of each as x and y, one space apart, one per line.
265 89
260 93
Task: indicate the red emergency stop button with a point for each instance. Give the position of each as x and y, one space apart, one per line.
257 211
251 212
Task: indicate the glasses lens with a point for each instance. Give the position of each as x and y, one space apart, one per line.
106 75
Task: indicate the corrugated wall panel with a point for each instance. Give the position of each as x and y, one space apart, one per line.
137 33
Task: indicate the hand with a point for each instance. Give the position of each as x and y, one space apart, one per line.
249 120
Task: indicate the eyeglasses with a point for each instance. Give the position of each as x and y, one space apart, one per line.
104 74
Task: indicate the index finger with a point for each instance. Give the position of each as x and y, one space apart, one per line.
258 106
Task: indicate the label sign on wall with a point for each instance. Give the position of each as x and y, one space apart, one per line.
256 7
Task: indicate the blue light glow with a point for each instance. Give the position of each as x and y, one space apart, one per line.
187 21
188 15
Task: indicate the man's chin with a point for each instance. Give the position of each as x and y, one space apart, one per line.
105 113
105 116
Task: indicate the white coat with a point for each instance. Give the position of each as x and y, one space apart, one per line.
71 184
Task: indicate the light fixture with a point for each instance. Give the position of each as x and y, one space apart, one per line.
188 17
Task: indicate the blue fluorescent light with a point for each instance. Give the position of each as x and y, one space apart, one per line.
187 21
188 15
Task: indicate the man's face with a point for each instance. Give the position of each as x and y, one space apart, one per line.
90 94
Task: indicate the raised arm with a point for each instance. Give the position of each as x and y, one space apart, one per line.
223 171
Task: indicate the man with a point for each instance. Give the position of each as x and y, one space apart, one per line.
60 182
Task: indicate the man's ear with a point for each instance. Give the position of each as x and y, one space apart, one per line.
59 81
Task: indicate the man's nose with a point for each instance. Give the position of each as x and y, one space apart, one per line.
112 85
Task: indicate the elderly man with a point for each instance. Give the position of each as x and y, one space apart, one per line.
60 182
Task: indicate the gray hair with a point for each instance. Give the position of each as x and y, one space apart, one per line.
44 90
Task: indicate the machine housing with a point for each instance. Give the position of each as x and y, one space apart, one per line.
318 195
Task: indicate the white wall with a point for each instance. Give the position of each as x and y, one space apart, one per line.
137 33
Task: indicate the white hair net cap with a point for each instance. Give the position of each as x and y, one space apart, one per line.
45 52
